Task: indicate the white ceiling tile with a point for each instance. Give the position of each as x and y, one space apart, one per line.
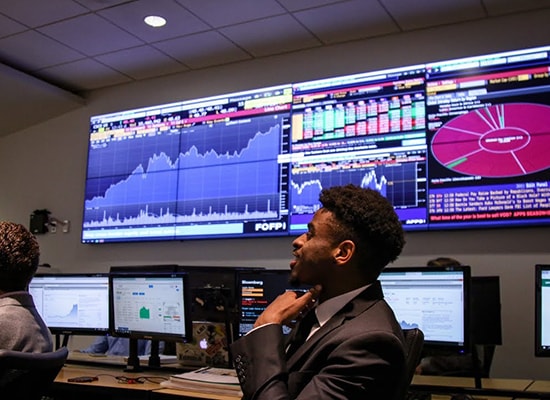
85 74
39 51
151 63
9 26
91 34
202 50
347 21
295 5
270 36
223 13
420 14
498 7
99 4
130 17
36 13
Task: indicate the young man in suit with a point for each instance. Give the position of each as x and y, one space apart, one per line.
355 349
21 327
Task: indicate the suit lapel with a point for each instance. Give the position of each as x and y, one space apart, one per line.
357 306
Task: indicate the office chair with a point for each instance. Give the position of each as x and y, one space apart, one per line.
28 376
414 342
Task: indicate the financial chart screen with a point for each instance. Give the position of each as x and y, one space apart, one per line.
257 289
489 134
365 129
72 303
193 169
152 307
542 311
452 144
434 299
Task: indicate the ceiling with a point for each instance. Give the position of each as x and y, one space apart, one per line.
53 52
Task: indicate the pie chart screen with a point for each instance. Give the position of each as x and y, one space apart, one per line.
499 141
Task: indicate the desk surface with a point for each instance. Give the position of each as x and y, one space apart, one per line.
151 388
486 383
107 379
539 386
167 393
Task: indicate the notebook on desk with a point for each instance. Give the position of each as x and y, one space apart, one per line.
209 346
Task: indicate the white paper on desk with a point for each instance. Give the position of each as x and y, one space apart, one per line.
203 387
226 376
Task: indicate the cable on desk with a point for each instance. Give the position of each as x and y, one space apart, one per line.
120 379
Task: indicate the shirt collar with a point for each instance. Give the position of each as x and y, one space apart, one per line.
328 308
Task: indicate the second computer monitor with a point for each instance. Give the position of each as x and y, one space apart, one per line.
72 303
150 305
542 310
434 299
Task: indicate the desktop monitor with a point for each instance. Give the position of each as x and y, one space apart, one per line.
256 290
434 299
212 291
72 303
542 310
150 305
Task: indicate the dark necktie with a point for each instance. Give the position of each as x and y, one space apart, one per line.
302 332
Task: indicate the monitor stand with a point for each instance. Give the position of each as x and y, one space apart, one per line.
477 367
59 343
133 358
154 358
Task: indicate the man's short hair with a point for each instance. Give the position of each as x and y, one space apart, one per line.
367 218
19 256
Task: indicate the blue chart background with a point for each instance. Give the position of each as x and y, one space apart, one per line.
136 180
401 190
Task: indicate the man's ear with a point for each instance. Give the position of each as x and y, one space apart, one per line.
344 252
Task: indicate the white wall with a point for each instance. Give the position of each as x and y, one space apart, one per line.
45 166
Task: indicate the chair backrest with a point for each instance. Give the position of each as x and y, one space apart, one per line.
414 342
29 375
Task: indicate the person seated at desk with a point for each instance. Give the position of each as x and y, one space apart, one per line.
355 348
21 327
118 346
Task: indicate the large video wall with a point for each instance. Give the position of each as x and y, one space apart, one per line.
454 144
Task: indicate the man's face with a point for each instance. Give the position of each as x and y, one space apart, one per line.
314 251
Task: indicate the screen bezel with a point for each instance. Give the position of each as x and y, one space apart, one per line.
540 350
61 330
486 319
465 270
151 335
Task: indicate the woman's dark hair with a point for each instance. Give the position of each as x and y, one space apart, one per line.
19 256
369 220
443 262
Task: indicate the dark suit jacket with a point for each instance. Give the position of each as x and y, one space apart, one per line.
358 354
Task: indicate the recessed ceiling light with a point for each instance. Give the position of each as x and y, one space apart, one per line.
155 21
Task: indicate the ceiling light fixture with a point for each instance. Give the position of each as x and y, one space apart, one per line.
155 21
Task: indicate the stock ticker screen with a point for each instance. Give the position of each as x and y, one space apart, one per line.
452 144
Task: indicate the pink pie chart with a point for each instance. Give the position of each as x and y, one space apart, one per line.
498 141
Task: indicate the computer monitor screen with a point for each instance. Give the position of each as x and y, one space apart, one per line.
434 299
151 305
542 310
72 303
486 321
194 169
256 290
